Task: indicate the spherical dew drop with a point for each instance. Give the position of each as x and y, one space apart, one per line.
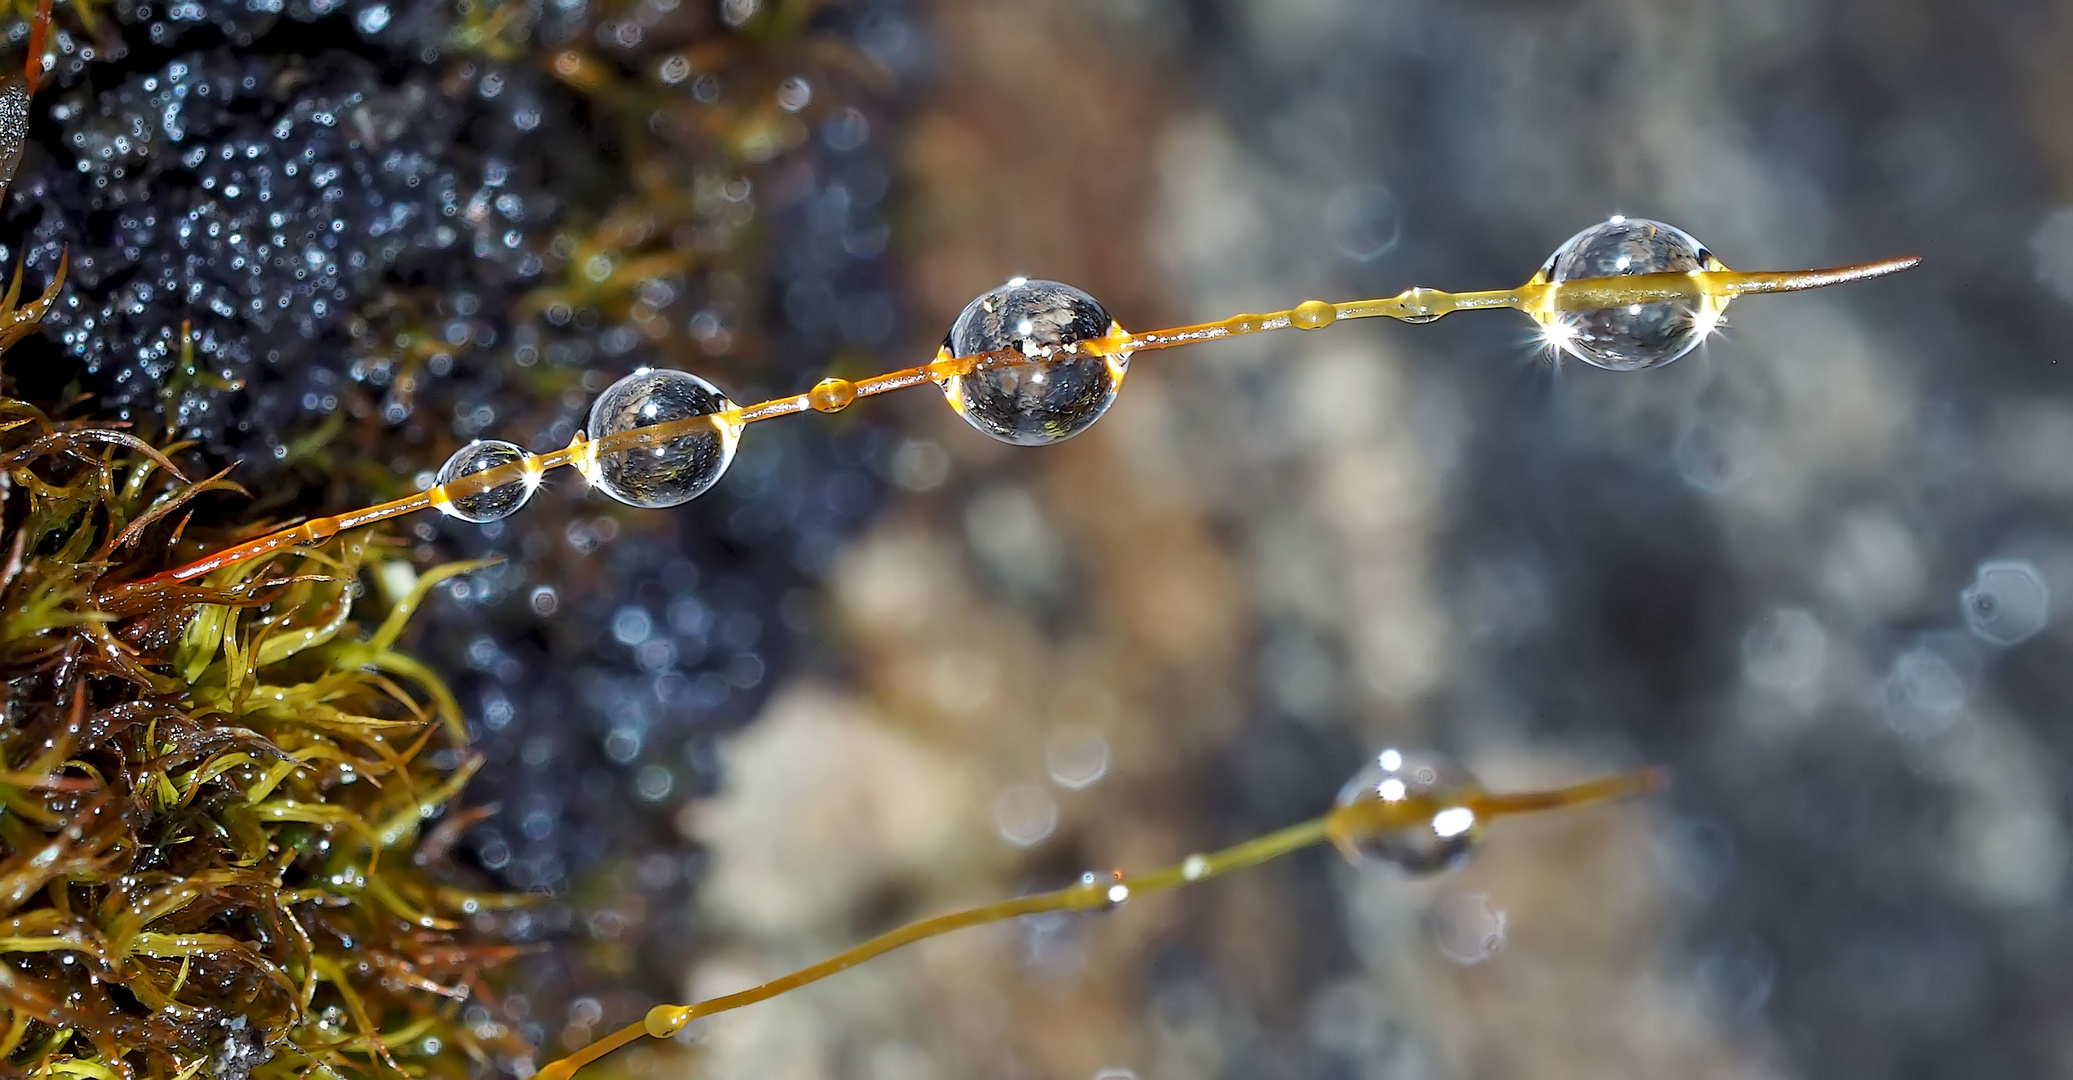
1630 337
660 438
1407 812
492 503
1054 391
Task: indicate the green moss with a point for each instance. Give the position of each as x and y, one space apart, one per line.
223 805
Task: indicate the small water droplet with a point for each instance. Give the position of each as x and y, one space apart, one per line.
494 503
1466 927
2007 603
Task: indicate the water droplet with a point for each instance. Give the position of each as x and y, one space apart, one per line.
660 438
372 18
1633 336
654 783
491 504
1053 394
794 94
1313 315
631 626
2007 603
1409 813
832 395
1466 928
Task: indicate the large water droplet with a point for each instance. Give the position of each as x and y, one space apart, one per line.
660 438
1054 394
1415 814
1633 336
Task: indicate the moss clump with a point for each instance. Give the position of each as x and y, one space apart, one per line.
222 827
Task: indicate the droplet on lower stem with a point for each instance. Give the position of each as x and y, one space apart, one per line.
1409 812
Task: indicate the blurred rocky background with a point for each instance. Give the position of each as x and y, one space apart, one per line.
1817 568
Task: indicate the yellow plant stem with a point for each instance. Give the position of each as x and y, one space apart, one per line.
1539 298
1097 892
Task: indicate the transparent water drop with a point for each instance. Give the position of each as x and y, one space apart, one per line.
1056 393
1633 336
2007 603
660 438
1466 928
1417 820
495 503
794 94
371 19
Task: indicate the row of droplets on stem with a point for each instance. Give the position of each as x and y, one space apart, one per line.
1036 362
1409 813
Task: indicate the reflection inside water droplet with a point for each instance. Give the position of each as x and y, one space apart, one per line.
1053 394
1632 336
497 502
1420 821
692 446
